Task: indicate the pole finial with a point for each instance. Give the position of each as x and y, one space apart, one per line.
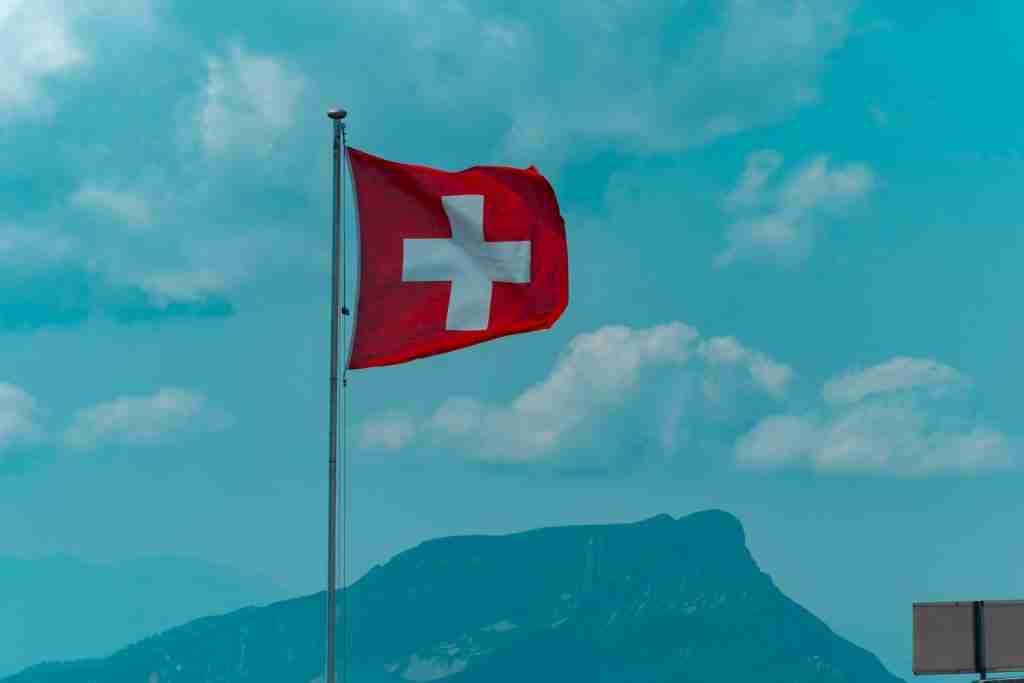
337 114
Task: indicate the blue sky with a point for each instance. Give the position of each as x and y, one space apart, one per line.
794 239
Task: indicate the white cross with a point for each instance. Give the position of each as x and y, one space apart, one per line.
468 261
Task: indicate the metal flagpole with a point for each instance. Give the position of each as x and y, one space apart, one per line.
336 115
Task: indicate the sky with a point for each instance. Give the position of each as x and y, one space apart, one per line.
794 237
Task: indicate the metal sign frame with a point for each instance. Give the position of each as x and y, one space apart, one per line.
969 637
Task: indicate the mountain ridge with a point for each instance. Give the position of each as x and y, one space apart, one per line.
660 599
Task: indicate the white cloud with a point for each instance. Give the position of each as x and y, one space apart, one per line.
779 440
389 432
760 167
128 207
458 416
771 376
38 43
20 246
42 40
573 75
457 51
896 417
779 224
182 284
19 418
184 266
897 374
247 101
143 420
196 262
598 372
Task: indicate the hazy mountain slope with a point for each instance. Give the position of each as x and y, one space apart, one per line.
61 608
659 600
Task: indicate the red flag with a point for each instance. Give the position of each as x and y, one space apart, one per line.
448 260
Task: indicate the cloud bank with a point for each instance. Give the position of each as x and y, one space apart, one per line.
906 416
598 373
225 159
706 71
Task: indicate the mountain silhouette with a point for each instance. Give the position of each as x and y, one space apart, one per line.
660 600
61 607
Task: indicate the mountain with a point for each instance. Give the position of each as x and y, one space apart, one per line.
660 600
61 608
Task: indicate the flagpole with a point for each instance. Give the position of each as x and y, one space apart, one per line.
336 115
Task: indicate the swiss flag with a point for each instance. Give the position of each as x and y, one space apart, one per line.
448 260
